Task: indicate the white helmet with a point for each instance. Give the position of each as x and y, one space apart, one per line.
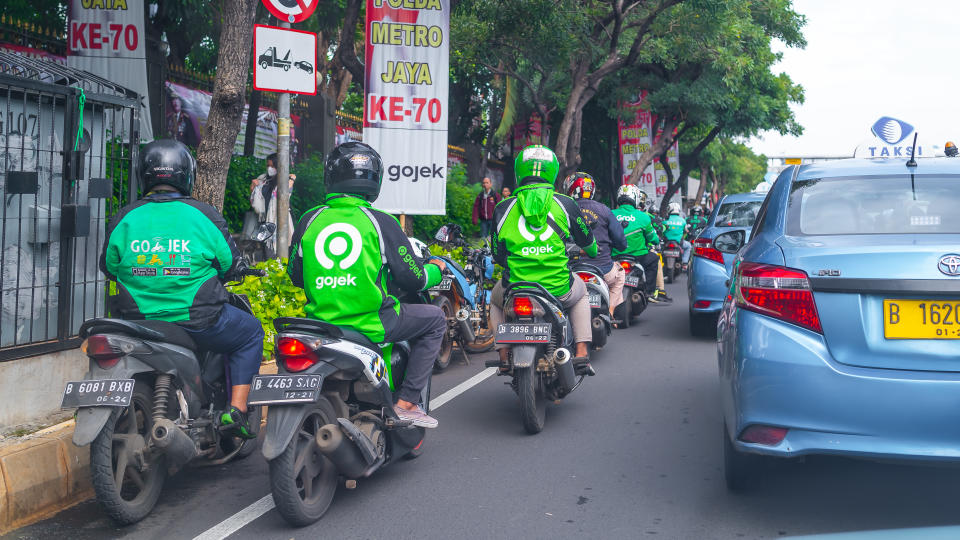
632 195
673 208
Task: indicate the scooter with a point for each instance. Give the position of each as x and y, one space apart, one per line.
331 413
463 297
672 260
540 336
149 406
634 297
599 295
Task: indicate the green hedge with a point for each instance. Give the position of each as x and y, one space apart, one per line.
272 296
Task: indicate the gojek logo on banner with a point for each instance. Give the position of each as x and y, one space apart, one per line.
893 138
338 245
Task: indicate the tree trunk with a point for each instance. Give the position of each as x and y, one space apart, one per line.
657 148
671 184
226 107
250 132
704 170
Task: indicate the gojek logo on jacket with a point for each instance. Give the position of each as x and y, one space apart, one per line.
544 234
338 245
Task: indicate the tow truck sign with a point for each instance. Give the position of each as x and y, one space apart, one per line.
291 11
284 60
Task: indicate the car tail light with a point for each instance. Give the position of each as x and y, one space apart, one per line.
587 277
782 293
765 435
523 306
295 354
703 247
106 350
701 304
625 265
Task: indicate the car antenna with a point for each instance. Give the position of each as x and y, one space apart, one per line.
912 162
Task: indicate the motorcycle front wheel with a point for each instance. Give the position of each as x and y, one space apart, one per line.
126 493
446 346
302 480
533 404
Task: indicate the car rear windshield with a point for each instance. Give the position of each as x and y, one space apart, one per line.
874 205
737 214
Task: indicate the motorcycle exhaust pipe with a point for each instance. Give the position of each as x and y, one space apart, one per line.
466 330
565 374
341 451
173 443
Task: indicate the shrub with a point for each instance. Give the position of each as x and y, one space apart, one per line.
272 296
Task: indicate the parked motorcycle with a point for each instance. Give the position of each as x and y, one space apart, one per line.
672 254
463 297
148 406
539 335
634 295
256 248
331 413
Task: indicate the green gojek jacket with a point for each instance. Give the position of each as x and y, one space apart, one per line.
674 228
531 248
345 255
639 230
697 222
168 254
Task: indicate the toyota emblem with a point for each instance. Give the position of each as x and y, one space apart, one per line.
950 264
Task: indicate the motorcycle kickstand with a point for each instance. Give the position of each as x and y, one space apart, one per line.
463 351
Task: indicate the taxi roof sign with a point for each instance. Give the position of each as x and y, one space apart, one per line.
793 161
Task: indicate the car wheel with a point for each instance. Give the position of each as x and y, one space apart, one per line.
739 468
702 325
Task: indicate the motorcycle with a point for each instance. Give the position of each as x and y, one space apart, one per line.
148 407
463 297
255 249
539 335
634 295
599 295
672 254
331 413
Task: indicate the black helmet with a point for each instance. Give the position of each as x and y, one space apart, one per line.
166 161
354 168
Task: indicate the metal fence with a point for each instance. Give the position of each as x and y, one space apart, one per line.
68 144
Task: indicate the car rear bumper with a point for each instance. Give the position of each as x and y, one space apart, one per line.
707 283
781 375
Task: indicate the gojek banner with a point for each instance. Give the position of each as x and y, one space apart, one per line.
405 106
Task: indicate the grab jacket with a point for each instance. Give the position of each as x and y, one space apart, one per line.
168 254
639 231
346 256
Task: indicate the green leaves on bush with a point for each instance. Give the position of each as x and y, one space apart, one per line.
272 296
460 198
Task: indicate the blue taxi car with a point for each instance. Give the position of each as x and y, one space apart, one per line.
841 330
710 269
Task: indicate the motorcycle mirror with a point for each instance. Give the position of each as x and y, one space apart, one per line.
443 234
265 231
730 242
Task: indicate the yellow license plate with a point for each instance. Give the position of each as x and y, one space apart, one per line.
921 319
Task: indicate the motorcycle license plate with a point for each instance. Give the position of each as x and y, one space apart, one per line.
443 285
524 333
594 300
281 389
671 253
632 281
97 393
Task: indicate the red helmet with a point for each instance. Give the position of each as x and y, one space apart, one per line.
580 185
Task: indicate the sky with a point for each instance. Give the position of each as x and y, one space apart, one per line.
867 59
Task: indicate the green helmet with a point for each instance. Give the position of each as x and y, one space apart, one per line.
537 162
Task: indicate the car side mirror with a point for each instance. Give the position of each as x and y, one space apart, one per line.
730 242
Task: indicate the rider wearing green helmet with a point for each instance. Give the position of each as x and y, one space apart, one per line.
528 242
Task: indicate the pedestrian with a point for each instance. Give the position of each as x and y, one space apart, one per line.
483 207
263 200
504 193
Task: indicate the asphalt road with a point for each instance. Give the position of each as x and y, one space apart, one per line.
633 453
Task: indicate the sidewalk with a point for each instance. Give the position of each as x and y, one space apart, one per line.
45 473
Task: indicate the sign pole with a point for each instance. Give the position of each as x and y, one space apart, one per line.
283 170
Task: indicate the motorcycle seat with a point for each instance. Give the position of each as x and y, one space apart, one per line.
149 330
286 324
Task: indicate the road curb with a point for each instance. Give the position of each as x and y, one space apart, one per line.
46 473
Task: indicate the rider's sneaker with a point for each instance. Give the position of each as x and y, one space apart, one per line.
235 421
662 297
652 298
418 417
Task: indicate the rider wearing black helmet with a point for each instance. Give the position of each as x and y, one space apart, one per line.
169 253
346 255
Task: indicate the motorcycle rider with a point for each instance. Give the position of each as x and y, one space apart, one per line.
168 253
697 221
345 255
528 242
675 228
608 232
639 233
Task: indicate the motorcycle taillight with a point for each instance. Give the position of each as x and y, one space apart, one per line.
295 355
523 306
106 350
587 277
625 265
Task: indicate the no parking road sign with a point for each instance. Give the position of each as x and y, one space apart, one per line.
284 60
291 11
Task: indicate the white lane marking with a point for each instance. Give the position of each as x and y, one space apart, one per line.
461 388
239 520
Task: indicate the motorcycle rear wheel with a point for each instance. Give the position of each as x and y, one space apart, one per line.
302 480
126 494
624 312
669 270
533 404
